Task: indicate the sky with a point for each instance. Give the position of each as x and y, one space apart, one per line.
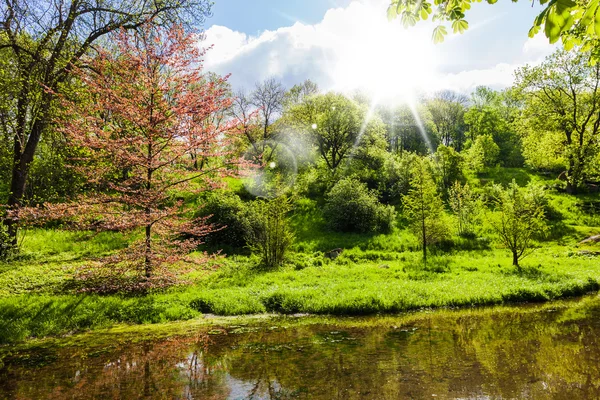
347 45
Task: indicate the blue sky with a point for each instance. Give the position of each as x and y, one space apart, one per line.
348 44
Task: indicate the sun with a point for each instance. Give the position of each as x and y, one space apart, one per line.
385 59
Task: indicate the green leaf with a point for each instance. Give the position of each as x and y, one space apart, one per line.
438 34
460 26
409 19
597 23
565 3
568 43
534 30
554 24
590 12
391 13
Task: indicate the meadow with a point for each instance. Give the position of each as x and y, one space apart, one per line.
374 274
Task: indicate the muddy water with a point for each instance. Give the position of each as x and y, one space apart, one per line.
549 351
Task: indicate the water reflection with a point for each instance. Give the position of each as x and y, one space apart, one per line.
527 352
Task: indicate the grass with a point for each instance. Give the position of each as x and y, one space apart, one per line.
374 274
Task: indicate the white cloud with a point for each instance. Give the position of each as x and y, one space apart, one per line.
355 47
538 47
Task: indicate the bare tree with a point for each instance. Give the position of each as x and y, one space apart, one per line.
243 110
268 98
43 39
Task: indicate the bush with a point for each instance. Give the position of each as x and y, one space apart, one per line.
230 212
272 233
352 207
6 246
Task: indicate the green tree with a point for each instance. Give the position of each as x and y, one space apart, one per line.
409 129
465 205
563 95
272 236
448 166
483 154
424 208
334 123
493 114
517 218
447 110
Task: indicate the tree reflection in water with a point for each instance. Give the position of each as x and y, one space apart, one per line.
519 352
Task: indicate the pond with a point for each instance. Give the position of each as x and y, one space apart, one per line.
548 351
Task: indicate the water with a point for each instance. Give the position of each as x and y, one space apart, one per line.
539 352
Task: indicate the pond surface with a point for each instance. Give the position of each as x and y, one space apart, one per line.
549 351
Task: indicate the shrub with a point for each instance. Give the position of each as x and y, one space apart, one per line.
6 247
272 236
352 207
232 214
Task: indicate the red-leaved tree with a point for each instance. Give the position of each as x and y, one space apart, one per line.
148 119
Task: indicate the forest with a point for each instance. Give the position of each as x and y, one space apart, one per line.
138 187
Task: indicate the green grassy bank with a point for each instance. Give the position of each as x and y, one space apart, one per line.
374 274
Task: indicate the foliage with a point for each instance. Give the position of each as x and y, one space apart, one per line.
273 236
231 216
447 114
448 166
424 208
576 23
493 113
42 41
518 218
483 153
333 122
6 247
146 120
466 206
406 132
352 207
563 95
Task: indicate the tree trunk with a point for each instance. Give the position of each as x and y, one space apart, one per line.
424 243
22 158
148 259
516 260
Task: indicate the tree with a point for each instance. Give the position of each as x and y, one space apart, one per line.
447 110
465 205
518 216
483 154
563 95
147 118
43 40
448 165
298 93
493 114
424 208
333 121
259 110
576 23
268 98
272 234
410 129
